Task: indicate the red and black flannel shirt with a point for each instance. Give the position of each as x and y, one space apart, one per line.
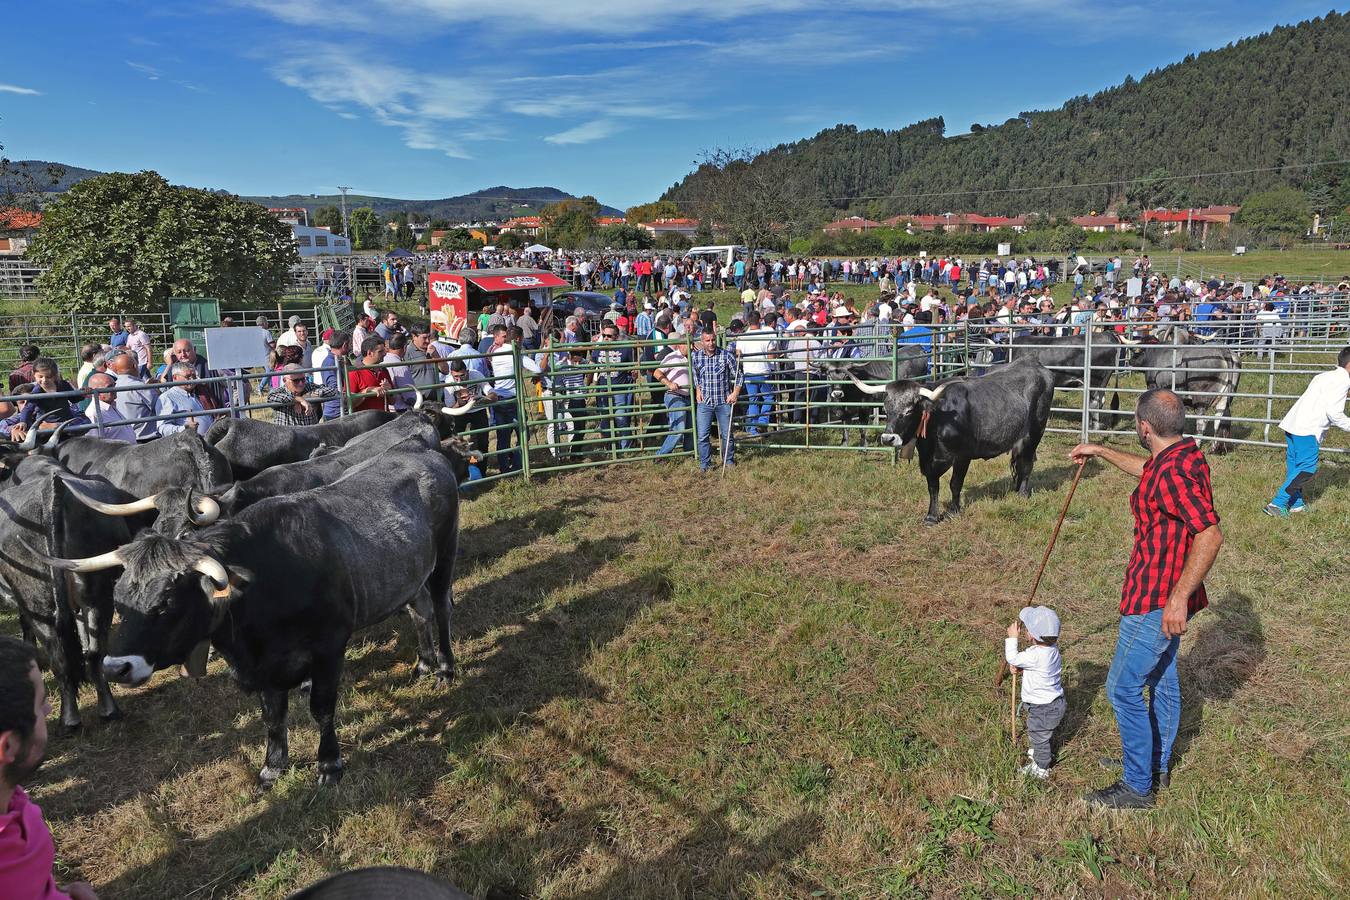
1173 503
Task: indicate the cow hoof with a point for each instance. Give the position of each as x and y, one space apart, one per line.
930 521
267 777
114 715
305 686
445 676
330 776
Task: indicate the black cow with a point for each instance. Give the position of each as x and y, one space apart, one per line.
970 418
67 615
252 445
1063 356
410 431
179 460
911 362
279 590
1205 376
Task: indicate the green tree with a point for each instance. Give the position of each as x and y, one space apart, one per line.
671 240
624 237
367 232
650 212
460 239
509 240
1281 211
130 242
403 237
329 217
570 222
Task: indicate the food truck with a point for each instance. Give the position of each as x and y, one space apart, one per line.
453 295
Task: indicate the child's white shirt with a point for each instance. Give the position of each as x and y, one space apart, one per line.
1041 667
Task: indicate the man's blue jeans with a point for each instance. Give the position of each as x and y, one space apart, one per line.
758 402
677 420
615 408
1300 463
1148 729
504 422
703 417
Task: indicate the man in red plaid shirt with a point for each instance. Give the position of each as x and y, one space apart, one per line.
1176 539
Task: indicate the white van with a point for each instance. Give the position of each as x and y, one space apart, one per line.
724 254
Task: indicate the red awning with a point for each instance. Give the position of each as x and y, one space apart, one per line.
522 282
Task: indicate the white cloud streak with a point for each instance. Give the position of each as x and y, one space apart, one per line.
586 132
149 72
15 89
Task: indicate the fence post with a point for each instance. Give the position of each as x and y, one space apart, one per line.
344 387
1087 379
522 427
75 336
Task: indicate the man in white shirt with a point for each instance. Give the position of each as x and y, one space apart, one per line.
1321 406
756 347
109 423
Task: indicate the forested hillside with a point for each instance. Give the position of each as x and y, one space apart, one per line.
1263 102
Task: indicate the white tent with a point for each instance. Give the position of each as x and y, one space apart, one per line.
538 248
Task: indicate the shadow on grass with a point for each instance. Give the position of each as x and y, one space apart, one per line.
524 671
1227 650
1088 678
482 543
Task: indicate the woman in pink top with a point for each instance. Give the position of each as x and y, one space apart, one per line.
26 849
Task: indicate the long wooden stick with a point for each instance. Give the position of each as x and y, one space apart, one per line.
1012 709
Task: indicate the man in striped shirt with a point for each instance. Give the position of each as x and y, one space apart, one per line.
1176 540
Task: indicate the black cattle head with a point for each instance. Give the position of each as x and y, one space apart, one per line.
180 509
172 595
908 405
461 453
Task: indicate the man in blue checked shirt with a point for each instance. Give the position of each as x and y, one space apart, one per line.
717 385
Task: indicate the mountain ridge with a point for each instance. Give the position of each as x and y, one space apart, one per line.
497 202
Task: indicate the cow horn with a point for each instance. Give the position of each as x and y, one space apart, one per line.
204 511
458 410
213 570
418 400
55 437
30 440
865 388
1129 343
926 394
145 504
89 563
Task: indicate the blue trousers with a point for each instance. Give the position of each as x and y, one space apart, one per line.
616 407
677 420
703 418
758 402
504 422
1300 463
1148 728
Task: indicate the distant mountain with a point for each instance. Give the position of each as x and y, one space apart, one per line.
1251 108
497 203
38 175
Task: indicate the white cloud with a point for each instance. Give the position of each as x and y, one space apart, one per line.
15 89
343 114
149 72
596 130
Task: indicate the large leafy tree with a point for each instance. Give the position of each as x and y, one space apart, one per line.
650 212
366 231
1283 210
130 242
570 222
755 203
329 217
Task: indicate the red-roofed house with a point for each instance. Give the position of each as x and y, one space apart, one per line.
1174 220
527 225
855 224
602 221
686 227
1101 223
957 222
17 226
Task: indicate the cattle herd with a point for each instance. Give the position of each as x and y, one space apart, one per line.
240 540
237 541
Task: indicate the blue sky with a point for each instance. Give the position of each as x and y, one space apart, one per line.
616 98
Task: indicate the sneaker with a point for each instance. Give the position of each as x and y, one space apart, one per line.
1278 512
1031 770
1120 796
1161 780
1298 508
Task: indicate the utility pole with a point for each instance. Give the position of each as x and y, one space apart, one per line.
344 191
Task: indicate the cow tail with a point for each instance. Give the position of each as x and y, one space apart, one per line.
64 610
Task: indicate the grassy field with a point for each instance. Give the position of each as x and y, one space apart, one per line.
769 684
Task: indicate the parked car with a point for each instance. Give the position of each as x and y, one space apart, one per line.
593 303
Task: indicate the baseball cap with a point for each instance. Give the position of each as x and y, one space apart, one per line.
1041 621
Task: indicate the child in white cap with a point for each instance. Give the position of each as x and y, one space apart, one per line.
1042 693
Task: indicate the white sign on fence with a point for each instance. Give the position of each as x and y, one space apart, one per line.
1005 249
1134 287
237 348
